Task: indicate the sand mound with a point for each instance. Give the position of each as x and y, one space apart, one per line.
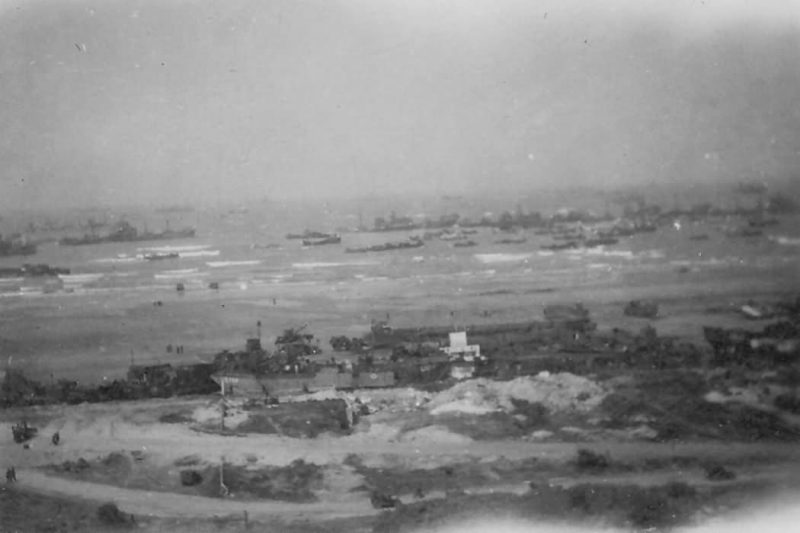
438 434
392 400
211 414
557 392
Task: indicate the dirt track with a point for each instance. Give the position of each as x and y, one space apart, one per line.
165 504
109 428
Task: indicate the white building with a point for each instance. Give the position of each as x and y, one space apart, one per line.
459 350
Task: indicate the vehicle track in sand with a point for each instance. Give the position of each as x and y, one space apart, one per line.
170 504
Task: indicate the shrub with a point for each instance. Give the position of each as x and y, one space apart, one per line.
109 514
679 489
589 460
717 472
190 478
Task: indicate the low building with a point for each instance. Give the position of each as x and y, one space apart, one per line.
239 384
459 350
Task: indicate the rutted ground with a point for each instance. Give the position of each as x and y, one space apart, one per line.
480 443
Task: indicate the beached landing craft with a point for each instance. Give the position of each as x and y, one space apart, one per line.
412 242
333 238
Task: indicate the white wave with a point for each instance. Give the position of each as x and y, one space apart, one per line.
627 254
199 253
180 271
785 241
501 258
711 261
124 274
332 264
31 290
220 264
180 276
171 249
545 253
654 254
120 259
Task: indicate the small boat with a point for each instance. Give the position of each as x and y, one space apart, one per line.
160 256
571 245
410 243
319 241
600 241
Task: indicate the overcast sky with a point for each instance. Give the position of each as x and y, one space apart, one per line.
183 100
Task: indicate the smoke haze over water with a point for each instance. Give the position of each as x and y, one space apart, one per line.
194 100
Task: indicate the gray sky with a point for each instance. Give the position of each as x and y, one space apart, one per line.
184 100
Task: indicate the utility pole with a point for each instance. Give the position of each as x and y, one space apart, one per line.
223 489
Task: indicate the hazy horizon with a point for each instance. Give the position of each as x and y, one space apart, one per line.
189 101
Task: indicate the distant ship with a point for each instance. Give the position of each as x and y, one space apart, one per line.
16 245
308 234
394 223
160 256
125 232
32 271
412 242
327 239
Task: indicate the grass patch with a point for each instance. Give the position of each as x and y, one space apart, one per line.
626 506
294 483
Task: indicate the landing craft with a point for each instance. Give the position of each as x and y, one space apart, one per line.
334 238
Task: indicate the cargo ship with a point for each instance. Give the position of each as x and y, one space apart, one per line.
308 234
16 245
125 232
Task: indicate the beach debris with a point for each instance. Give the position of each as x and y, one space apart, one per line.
588 460
23 432
642 309
109 514
382 500
755 311
717 472
190 478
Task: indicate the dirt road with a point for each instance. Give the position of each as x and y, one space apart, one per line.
94 431
166 504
